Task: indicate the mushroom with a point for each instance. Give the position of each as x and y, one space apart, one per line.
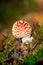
22 30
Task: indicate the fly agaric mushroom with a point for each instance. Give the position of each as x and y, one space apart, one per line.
22 29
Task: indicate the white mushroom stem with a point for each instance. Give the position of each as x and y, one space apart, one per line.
27 39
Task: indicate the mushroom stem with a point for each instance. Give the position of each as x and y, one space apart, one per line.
27 39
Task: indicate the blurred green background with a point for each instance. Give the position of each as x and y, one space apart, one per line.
12 10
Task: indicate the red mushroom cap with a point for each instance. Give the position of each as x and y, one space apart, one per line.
21 29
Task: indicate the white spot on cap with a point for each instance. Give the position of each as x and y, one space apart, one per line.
21 21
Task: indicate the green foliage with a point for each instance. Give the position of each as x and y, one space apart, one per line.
9 45
7 49
39 31
40 52
1 55
32 5
6 63
31 59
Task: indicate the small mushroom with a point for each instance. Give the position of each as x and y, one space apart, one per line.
22 29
